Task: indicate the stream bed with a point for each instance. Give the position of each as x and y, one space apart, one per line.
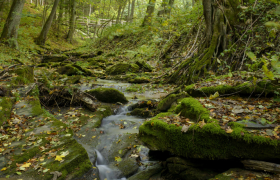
117 136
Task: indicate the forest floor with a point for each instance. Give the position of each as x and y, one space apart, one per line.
105 110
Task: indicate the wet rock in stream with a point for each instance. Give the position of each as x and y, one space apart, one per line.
128 166
109 95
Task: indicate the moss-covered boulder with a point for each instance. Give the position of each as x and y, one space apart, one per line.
122 68
109 95
139 80
74 79
54 58
74 69
144 66
128 166
166 103
203 137
6 104
142 112
146 173
150 104
69 70
24 75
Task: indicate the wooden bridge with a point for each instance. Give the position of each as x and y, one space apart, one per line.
90 26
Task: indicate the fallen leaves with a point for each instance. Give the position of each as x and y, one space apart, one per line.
118 158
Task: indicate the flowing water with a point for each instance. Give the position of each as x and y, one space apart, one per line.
112 132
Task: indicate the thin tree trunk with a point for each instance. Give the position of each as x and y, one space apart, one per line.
72 22
2 7
10 30
123 10
132 10
119 14
43 35
60 15
128 12
149 14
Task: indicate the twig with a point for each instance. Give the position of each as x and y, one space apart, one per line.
34 84
193 43
244 53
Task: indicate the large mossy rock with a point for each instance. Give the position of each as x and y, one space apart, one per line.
166 103
147 173
71 70
128 166
122 68
144 66
205 138
54 58
25 75
108 95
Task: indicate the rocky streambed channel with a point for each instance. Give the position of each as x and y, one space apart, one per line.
75 127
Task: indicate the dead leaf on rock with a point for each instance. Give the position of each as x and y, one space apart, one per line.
185 128
202 123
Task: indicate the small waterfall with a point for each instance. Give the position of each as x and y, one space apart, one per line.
105 173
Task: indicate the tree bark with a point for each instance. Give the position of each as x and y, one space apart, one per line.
72 22
60 16
10 30
119 14
149 14
43 35
132 11
220 16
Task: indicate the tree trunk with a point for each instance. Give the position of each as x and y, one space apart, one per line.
43 35
149 14
119 14
128 12
72 22
60 16
10 30
219 17
2 7
132 11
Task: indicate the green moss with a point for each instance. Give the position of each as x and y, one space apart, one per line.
166 103
6 104
122 68
142 112
139 80
191 108
244 89
25 75
109 95
36 107
144 66
207 142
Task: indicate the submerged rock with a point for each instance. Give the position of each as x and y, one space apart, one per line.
147 173
122 68
109 95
